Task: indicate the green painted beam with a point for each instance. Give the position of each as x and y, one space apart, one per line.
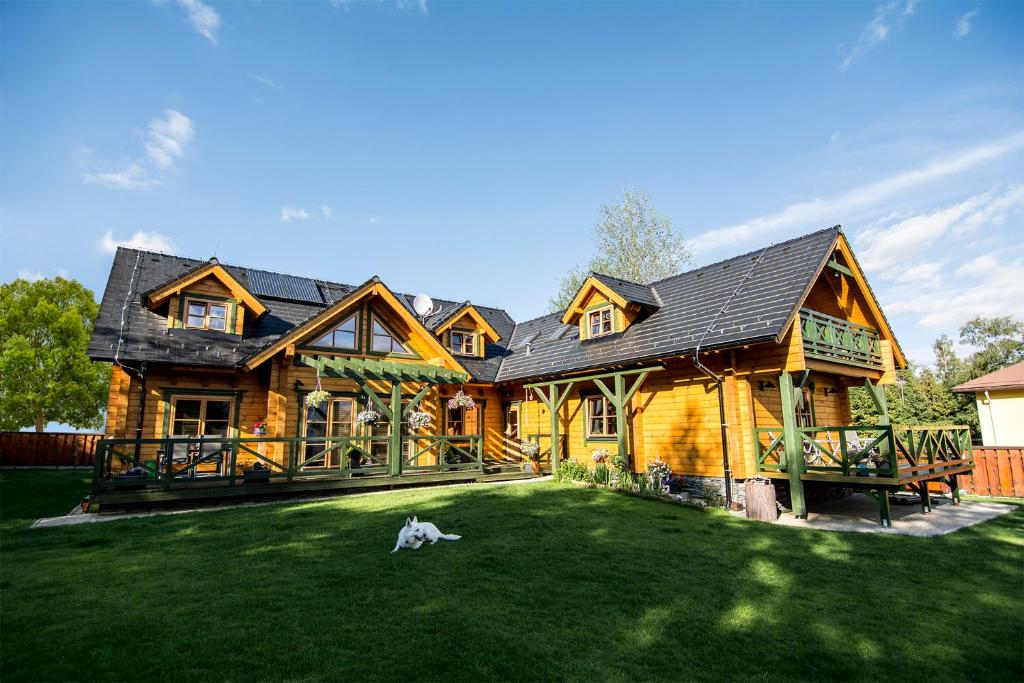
603 375
793 445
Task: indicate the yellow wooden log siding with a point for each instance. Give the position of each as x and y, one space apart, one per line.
673 416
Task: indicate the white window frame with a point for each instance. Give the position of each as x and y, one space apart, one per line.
599 312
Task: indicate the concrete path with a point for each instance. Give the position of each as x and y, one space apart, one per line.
859 513
77 517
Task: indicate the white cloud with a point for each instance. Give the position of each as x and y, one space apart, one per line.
30 275
291 213
963 24
327 211
820 212
886 245
167 138
132 177
265 80
148 241
420 5
924 274
164 142
888 17
373 220
997 290
204 19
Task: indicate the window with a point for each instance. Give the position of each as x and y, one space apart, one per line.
600 417
600 321
206 316
464 343
333 418
195 417
383 341
805 409
512 424
462 422
341 337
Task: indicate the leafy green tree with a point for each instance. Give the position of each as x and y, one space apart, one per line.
45 374
634 242
924 395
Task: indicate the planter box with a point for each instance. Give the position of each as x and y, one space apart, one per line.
256 476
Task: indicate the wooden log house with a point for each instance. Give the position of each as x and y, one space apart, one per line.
723 372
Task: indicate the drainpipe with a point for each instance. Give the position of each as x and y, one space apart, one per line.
719 380
991 418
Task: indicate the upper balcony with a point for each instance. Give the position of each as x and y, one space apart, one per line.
839 341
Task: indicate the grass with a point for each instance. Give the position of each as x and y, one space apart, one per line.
549 582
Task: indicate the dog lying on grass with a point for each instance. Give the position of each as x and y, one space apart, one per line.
416 533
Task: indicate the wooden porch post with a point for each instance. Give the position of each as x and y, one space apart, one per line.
621 423
793 445
395 440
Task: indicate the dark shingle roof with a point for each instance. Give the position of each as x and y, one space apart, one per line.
689 303
630 291
685 305
146 337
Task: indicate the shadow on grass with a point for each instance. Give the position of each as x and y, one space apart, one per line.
548 582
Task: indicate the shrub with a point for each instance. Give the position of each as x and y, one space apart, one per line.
712 496
570 470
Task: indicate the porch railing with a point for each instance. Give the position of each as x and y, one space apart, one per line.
889 451
544 440
839 341
213 460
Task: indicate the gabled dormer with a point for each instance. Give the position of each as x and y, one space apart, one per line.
205 298
606 305
465 331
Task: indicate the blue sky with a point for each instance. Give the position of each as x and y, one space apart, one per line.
463 149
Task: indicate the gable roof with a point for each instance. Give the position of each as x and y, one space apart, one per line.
1007 378
145 337
160 293
761 311
631 292
619 292
439 324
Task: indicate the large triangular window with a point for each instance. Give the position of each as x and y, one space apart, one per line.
383 341
341 337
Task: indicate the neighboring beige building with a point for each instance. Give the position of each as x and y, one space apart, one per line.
1000 396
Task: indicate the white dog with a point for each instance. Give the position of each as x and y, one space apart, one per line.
414 534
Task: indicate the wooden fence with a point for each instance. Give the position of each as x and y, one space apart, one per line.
998 471
47 449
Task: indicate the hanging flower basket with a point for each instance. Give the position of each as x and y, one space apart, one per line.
529 449
260 428
419 420
461 400
315 398
367 417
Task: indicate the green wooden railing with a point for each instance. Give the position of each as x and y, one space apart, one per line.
889 451
214 460
839 341
544 440
443 453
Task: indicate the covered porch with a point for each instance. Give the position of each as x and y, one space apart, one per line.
392 453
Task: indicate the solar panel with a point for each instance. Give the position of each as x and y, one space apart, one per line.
265 283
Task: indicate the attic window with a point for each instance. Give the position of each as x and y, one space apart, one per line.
383 341
526 340
204 315
599 322
464 343
341 337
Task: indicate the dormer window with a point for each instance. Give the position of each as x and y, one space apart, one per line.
599 322
203 315
341 337
464 343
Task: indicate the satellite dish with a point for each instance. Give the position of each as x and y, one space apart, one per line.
423 305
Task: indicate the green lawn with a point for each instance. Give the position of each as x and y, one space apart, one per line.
549 582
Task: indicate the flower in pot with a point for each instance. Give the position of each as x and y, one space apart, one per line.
367 417
419 420
659 473
880 461
530 451
260 427
600 455
461 400
258 472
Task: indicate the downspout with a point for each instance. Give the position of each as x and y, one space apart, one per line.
991 419
719 380
142 411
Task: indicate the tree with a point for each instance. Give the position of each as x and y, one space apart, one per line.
925 396
634 242
45 374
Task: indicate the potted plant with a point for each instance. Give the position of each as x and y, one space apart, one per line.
419 420
257 473
675 483
659 473
880 461
316 397
530 451
367 417
461 400
131 479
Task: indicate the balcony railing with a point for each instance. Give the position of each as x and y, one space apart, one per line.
215 460
880 451
839 341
